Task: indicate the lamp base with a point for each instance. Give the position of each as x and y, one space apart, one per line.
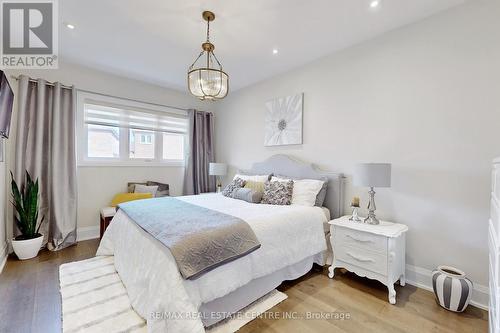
371 218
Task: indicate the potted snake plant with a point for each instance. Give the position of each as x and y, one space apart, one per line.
26 202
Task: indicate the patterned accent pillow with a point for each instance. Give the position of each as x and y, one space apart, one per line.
278 193
235 184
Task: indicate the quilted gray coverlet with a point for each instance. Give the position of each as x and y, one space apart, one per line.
200 239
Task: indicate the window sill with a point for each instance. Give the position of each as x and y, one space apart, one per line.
83 164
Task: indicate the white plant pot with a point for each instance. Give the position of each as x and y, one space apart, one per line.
27 249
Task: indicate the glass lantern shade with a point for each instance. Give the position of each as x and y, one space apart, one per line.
208 83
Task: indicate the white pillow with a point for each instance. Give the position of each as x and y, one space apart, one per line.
305 191
253 178
146 189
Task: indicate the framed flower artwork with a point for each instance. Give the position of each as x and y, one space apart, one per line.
283 121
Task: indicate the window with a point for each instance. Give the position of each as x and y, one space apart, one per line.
173 147
142 144
120 132
146 139
103 141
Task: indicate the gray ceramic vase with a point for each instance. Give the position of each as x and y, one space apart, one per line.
453 290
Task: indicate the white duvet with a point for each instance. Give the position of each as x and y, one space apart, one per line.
288 234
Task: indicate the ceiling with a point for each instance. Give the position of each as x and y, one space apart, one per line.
156 40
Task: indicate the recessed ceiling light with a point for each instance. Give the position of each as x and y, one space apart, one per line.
374 3
275 51
70 26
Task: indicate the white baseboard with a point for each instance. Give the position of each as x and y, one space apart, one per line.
3 256
85 233
421 278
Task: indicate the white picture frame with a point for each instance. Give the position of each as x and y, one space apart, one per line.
283 121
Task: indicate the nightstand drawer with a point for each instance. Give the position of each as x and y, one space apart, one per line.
375 262
360 239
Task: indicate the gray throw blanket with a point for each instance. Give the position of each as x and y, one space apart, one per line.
200 239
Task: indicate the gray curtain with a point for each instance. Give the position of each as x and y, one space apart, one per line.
46 148
201 153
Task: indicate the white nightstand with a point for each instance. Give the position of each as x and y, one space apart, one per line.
373 251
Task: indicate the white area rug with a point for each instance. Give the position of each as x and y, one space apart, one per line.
246 315
95 300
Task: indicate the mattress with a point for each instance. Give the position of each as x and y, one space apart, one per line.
288 235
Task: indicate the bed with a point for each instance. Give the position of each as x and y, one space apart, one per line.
292 239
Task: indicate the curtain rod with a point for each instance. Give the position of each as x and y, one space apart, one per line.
107 95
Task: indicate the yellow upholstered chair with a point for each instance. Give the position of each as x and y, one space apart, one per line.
124 197
108 213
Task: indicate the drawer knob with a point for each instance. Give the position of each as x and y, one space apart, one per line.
359 258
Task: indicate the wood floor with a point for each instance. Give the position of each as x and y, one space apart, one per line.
30 302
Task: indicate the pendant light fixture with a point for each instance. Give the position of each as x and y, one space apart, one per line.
206 79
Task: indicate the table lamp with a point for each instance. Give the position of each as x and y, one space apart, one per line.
217 170
372 175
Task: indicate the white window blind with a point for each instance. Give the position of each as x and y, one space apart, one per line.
124 117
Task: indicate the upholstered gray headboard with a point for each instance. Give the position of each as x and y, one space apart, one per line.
287 166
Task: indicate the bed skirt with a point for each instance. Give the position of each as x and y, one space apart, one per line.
220 308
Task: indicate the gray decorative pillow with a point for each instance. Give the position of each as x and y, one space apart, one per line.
131 186
235 184
146 189
278 193
320 198
163 189
247 194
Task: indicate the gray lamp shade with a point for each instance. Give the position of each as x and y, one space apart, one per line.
217 169
372 175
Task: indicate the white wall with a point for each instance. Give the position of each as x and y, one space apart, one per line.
425 98
97 185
